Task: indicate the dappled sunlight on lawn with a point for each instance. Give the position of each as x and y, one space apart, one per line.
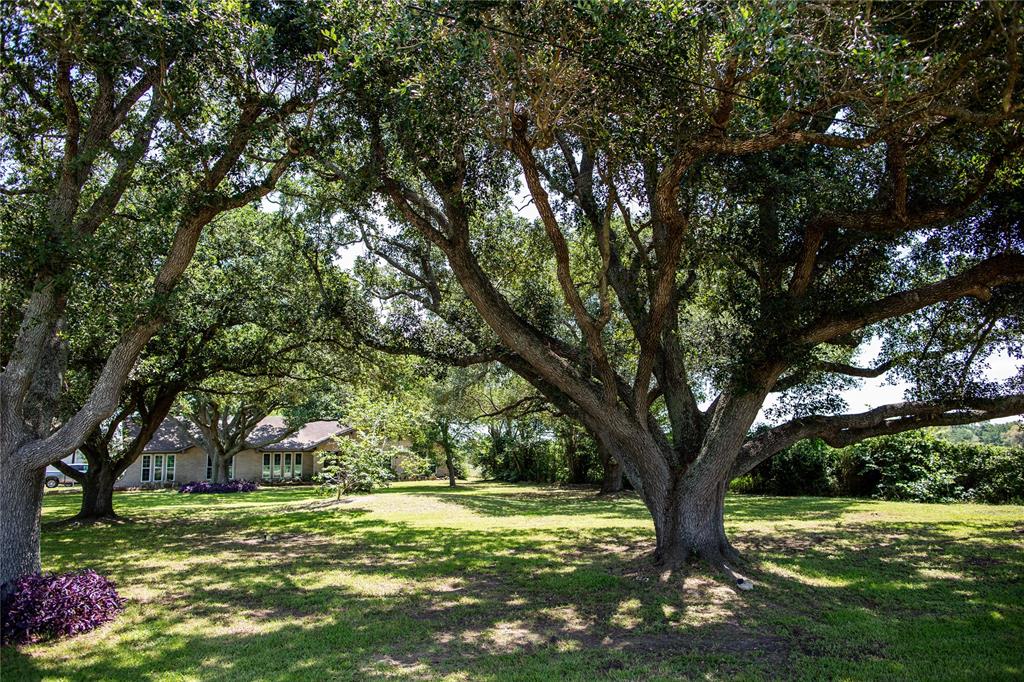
494 581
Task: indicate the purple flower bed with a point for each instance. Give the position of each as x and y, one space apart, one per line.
40 607
227 487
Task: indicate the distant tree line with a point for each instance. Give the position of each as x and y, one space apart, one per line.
1008 434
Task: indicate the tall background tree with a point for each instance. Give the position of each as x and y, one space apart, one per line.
223 416
728 212
202 98
242 316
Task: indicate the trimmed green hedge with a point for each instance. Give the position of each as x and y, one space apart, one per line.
913 466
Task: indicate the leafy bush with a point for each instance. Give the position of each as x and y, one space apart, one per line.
803 469
852 474
41 607
1003 480
913 466
235 486
515 451
415 465
358 466
745 485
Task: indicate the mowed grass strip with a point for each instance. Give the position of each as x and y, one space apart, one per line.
504 582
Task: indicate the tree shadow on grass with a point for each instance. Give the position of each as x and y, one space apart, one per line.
506 499
385 598
304 593
554 503
146 503
757 508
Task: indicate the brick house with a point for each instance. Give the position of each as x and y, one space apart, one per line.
171 457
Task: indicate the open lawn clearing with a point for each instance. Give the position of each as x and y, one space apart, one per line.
493 581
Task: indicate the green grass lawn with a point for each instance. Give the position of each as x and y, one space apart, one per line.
502 582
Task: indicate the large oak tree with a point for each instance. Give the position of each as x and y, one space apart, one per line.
731 201
241 318
208 101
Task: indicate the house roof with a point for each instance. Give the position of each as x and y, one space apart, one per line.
308 437
169 438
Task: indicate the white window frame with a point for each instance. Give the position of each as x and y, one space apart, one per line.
158 468
280 466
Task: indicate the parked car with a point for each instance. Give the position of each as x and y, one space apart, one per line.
56 477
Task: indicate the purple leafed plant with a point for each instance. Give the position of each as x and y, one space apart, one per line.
226 487
41 607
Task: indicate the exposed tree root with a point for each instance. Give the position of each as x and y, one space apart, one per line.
78 520
725 561
731 554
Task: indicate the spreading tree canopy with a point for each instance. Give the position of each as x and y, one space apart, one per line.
727 203
731 201
241 330
206 103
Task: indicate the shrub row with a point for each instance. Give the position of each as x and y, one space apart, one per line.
913 466
239 486
41 607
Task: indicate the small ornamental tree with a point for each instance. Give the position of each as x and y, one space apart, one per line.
358 466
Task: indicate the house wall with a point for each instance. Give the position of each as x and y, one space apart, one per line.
249 463
316 460
189 465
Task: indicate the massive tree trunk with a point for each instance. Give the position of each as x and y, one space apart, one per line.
222 466
685 490
97 481
104 467
691 525
98 491
21 499
217 475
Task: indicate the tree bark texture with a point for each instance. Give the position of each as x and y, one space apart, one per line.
98 491
216 475
21 498
611 479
